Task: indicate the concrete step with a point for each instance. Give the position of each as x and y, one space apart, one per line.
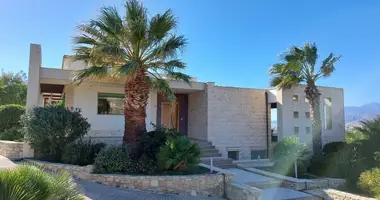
225 166
216 160
266 184
209 150
212 154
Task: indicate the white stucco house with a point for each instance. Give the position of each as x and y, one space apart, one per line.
237 121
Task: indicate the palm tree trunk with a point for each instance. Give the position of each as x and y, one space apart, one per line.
313 95
136 98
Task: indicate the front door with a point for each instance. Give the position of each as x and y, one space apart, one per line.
169 115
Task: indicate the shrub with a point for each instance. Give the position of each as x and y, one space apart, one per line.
12 134
49 129
113 159
10 121
179 153
31 183
144 165
81 152
286 152
369 182
151 142
333 147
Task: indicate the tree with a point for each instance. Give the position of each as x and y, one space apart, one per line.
12 88
143 50
298 66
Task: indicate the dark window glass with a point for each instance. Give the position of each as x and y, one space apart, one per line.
255 154
110 104
233 155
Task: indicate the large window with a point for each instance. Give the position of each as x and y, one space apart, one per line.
110 104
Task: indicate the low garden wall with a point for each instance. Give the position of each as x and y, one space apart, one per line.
12 150
302 184
200 185
337 195
236 191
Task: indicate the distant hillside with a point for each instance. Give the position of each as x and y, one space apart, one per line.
355 114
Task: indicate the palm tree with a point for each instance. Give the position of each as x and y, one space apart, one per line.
298 66
141 49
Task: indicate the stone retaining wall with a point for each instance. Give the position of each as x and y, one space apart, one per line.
200 185
235 191
337 195
301 184
12 150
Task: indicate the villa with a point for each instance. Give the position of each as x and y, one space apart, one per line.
236 121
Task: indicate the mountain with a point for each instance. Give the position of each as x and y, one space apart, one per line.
354 114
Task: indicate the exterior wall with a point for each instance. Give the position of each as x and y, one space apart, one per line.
12 150
69 64
197 115
106 128
237 119
287 122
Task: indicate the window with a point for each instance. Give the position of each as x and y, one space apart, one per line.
295 97
327 113
295 114
296 130
233 155
307 115
110 104
256 153
308 130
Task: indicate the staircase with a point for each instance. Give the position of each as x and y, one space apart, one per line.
209 151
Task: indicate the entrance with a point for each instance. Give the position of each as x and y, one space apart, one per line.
173 115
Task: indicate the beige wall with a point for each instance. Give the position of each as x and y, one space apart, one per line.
197 121
236 119
287 122
109 128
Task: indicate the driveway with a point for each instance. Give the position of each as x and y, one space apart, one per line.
97 191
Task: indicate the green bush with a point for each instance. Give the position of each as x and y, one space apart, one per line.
113 159
31 183
369 182
81 152
333 147
49 129
286 152
151 142
12 134
179 153
10 122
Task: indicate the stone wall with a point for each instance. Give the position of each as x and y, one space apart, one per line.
12 150
197 123
200 185
235 191
237 120
337 195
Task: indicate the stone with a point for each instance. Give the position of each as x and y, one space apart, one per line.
154 183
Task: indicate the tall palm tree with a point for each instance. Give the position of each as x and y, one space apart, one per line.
298 66
141 48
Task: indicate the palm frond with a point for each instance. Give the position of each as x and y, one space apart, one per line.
328 65
311 55
137 21
161 25
169 49
91 72
167 66
162 86
128 70
178 76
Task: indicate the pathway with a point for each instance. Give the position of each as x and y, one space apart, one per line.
271 193
97 191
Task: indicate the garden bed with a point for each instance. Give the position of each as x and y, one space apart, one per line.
196 184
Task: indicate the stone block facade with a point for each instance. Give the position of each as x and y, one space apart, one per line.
235 191
199 185
12 150
237 120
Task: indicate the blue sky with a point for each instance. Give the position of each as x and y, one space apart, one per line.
230 42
